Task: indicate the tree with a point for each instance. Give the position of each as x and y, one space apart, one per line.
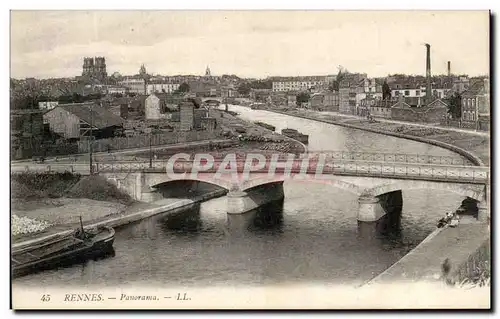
183 88
303 98
386 91
455 106
244 89
341 75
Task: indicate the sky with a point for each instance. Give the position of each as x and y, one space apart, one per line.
256 44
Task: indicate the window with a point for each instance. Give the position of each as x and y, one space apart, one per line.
417 93
407 93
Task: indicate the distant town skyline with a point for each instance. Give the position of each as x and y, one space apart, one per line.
256 44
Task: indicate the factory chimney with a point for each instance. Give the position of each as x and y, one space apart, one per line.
428 89
449 68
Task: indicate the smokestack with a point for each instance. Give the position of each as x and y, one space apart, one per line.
449 68
428 93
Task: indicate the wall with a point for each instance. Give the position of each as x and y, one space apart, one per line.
187 116
63 122
317 101
384 112
152 108
119 143
331 102
344 101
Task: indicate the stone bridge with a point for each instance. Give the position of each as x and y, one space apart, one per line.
375 183
213 100
378 184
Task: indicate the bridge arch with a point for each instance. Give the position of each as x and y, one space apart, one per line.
259 181
213 181
473 191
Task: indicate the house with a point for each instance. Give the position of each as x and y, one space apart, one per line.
135 84
157 106
434 112
331 101
113 89
303 83
317 101
162 87
476 101
120 110
278 99
460 84
47 105
200 116
260 95
26 132
291 99
73 121
376 107
347 98
186 116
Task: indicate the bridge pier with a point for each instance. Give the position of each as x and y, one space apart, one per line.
483 212
242 206
370 209
380 214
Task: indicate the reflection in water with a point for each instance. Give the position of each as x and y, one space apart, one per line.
188 221
269 217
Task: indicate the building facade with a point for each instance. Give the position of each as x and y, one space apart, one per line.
476 102
47 105
434 112
186 116
134 85
331 101
94 68
73 121
113 89
160 87
26 132
299 83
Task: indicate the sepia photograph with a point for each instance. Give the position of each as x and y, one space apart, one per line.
250 159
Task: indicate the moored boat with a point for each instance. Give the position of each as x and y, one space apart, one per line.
267 126
81 245
296 135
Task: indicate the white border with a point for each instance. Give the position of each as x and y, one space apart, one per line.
255 4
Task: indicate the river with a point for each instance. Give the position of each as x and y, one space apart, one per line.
316 240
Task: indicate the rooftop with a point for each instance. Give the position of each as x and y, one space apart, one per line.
99 116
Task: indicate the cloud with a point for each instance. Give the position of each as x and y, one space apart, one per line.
247 43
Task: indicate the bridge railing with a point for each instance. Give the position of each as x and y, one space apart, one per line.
357 156
469 174
395 157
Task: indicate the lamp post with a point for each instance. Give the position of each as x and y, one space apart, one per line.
90 139
149 131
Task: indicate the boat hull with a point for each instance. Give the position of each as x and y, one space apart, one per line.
101 247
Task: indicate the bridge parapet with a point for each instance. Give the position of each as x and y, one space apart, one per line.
412 171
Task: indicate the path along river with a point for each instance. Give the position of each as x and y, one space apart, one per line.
315 241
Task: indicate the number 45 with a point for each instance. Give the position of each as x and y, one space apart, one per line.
45 298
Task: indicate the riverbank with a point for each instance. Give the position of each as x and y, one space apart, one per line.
114 215
467 246
465 249
475 148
